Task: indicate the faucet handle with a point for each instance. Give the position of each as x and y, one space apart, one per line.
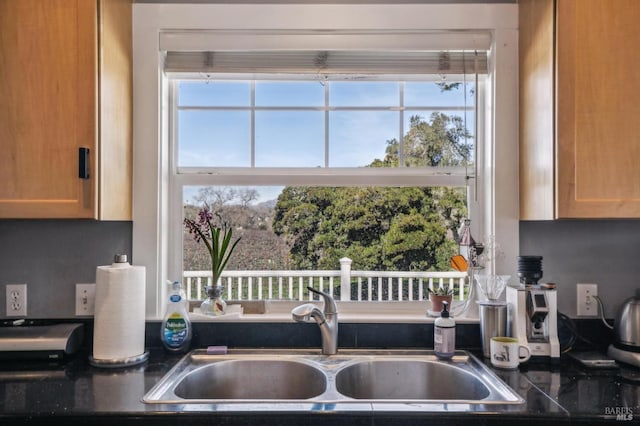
329 303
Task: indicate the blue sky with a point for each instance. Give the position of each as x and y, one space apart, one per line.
221 137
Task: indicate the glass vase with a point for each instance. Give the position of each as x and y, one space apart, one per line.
213 305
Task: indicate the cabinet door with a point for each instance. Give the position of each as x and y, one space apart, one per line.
598 126
48 108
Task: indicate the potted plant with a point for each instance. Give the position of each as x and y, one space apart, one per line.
443 293
217 240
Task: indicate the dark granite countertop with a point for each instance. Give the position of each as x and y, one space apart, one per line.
75 392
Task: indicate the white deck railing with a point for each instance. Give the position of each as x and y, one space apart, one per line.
292 285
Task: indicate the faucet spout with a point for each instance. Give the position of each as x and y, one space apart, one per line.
327 320
307 311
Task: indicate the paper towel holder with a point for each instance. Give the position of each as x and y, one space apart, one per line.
120 260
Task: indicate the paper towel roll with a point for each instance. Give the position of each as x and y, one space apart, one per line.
119 320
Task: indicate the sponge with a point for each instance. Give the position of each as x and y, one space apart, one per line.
216 350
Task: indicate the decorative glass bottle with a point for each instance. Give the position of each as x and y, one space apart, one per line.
471 251
213 304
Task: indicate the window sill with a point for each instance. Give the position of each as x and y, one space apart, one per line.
348 312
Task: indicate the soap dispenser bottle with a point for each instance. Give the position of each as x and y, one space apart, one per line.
175 331
444 334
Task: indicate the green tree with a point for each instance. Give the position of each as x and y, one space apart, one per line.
439 142
412 242
298 215
382 228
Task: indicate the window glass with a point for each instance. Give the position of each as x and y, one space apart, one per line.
364 93
289 139
249 210
214 138
214 93
358 138
451 131
289 93
441 94
302 230
297 229
293 124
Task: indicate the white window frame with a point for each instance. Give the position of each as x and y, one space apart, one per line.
154 234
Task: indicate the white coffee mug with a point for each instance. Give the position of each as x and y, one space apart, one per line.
507 352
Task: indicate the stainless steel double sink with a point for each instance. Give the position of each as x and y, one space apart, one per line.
260 378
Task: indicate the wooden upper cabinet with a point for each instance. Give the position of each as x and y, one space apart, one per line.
579 127
65 84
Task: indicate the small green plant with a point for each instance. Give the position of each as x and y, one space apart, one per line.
443 290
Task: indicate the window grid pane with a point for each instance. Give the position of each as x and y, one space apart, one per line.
347 142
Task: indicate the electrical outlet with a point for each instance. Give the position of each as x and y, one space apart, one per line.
587 305
16 298
85 299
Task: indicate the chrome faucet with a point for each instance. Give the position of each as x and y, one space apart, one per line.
327 320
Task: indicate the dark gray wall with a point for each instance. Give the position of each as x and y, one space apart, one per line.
51 256
586 251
